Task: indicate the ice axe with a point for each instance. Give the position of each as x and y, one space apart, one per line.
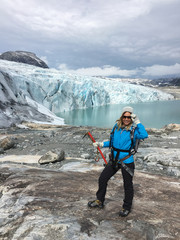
98 148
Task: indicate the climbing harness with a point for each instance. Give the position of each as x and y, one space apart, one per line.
116 163
98 148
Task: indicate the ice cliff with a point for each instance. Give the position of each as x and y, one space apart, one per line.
16 107
59 91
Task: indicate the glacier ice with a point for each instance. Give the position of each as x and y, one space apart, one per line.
59 91
16 107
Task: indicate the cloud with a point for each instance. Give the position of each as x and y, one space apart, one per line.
109 71
78 18
44 58
97 36
160 70
100 71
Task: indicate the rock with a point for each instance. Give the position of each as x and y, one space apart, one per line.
85 155
51 157
173 171
160 158
150 158
49 204
7 143
1 150
23 57
172 127
50 201
164 130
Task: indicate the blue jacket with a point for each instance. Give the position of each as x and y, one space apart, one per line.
121 139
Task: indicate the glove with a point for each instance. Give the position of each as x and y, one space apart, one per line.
98 144
135 119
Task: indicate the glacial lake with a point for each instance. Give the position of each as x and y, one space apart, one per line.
151 114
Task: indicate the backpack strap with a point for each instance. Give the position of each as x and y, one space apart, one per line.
134 146
112 134
131 150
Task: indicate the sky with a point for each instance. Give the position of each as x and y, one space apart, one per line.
124 38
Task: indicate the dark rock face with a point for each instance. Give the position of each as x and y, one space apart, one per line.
23 57
163 82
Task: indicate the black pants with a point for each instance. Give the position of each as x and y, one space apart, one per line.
106 174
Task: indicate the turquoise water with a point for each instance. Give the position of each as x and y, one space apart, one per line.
151 114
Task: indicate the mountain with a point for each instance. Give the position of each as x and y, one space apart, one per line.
164 82
158 82
26 90
23 57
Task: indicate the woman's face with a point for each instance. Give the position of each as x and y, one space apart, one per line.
126 119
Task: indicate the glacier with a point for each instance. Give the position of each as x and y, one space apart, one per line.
59 91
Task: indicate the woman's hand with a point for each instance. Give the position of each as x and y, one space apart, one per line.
135 119
98 144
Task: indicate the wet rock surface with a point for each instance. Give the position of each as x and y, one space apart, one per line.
49 201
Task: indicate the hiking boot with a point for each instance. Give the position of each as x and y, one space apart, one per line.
124 212
95 204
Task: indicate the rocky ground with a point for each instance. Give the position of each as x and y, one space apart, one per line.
49 201
175 91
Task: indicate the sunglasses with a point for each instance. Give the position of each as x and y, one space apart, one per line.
128 117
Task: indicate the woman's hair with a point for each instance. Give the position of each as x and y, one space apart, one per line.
120 122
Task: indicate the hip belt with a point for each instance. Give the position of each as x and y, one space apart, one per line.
116 161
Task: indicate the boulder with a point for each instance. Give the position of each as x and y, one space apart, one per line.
51 157
86 155
172 127
7 143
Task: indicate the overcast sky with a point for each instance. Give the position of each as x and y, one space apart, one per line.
129 38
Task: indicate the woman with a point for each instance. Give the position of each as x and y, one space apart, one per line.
121 143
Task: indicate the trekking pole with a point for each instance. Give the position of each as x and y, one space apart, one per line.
93 140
